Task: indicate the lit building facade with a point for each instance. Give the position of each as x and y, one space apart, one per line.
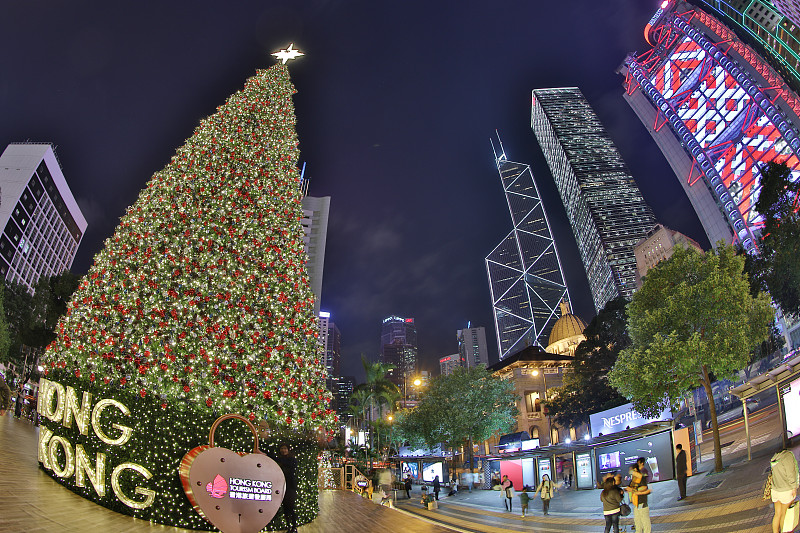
659 245
567 333
43 225
344 390
525 276
472 349
449 363
718 110
399 348
535 373
603 203
315 234
330 338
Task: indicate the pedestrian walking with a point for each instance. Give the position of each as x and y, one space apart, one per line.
639 490
680 470
785 480
407 486
546 490
5 396
611 496
436 488
524 499
288 464
507 492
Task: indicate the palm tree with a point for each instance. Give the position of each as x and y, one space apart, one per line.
377 391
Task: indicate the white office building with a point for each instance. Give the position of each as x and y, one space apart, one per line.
43 225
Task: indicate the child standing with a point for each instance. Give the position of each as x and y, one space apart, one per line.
524 499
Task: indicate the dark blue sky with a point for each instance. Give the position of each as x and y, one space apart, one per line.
396 104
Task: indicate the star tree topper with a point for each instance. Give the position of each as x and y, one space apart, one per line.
288 53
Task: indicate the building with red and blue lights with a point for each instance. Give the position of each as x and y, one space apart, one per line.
719 104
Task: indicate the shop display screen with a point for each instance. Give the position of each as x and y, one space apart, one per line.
656 450
791 407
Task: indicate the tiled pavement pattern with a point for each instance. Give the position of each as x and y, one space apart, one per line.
31 502
721 503
724 503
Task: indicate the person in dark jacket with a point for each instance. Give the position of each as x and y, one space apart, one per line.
436 487
288 464
680 470
407 486
611 498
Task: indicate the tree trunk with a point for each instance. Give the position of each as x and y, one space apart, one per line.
712 411
469 455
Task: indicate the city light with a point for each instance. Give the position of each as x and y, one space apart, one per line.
586 437
567 440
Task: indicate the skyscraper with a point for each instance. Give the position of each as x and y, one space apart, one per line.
43 224
603 203
472 349
315 233
525 277
715 92
399 347
331 341
449 363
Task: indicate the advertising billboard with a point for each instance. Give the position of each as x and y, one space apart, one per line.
585 477
791 407
545 467
619 419
409 469
431 470
656 450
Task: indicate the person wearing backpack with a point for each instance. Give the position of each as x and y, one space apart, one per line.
546 490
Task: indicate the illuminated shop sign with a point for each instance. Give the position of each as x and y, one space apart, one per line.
61 405
621 418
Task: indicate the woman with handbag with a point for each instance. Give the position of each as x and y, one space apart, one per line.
612 504
546 489
785 480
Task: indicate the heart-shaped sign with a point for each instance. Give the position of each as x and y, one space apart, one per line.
236 492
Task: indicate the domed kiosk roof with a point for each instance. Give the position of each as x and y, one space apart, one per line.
567 326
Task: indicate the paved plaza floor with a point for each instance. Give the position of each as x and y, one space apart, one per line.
30 501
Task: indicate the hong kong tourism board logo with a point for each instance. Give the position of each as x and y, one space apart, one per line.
240 489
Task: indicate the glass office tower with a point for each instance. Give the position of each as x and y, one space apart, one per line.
603 203
525 276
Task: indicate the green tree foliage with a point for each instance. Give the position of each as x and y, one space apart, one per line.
693 317
776 268
32 318
586 388
468 405
5 338
375 396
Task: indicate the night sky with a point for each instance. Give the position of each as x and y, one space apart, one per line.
396 104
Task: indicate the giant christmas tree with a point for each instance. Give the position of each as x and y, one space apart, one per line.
199 305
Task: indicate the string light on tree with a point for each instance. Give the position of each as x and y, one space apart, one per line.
198 305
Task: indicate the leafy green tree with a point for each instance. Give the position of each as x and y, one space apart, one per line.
693 317
468 405
776 268
586 388
5 338
32 318
18 312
